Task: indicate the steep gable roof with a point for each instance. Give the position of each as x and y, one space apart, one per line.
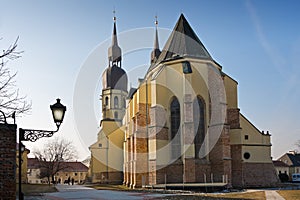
295 158
183 41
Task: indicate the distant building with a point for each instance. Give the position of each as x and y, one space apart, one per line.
292 160
75 170
24 164
281 167
181 125
33 172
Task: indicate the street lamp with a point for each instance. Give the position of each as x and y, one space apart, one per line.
58 113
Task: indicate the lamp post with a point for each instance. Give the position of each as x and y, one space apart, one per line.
58 113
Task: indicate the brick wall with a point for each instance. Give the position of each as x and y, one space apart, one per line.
259 175
233 118
115 177
175 172
247 175
190 170
220 157
203 170
8 161
236 155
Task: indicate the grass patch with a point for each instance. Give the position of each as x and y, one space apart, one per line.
227 196
244 195
110 187
37 189
290 194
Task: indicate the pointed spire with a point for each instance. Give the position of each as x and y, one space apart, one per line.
155 52
156 45
114 51
114 36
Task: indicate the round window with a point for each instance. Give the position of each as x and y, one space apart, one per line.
246 155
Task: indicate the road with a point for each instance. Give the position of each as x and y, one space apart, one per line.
81 192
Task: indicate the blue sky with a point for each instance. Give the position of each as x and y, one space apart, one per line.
256 42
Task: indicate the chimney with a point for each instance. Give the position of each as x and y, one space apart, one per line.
292 152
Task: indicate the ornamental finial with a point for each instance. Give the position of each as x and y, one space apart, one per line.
114 18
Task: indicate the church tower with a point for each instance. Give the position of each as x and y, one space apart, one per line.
155 52
106 163
114 81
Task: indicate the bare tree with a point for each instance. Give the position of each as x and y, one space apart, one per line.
10 100
54 157
297 144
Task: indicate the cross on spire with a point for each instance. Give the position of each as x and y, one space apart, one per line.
155 52
114 12
114 51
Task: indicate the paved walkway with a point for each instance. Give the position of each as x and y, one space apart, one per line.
273 195
81 192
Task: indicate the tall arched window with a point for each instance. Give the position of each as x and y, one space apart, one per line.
199 123
175 128
116 102
116 115
106 101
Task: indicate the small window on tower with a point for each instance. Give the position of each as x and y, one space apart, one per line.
116 102
246 137
106 101
124 103
186 67
100 145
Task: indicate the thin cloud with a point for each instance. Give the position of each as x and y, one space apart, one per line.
274 55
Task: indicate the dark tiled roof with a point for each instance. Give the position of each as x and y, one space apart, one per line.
295 158
114 78
131 92
33 163
75 166
183 41
278 163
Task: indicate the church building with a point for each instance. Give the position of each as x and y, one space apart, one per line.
106 165
181 125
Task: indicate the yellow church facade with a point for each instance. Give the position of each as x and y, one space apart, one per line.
181 125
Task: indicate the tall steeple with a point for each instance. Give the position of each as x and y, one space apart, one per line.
114 51
114 82
155 52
